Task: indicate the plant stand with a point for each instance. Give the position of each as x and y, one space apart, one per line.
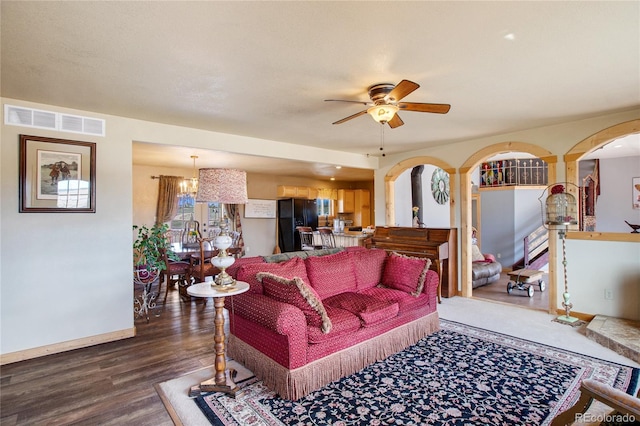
147 300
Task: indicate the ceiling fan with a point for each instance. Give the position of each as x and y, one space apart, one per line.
385 103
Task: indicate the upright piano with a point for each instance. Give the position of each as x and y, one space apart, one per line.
437 244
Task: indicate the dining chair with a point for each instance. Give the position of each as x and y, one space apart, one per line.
327 238
306 238
191 234
200 262
175 272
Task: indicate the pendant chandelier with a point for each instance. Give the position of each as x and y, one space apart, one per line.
189 187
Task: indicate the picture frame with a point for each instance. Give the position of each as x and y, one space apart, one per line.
635 193
56 175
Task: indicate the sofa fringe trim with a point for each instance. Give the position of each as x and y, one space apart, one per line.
295 384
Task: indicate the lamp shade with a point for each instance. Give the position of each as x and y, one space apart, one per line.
227 186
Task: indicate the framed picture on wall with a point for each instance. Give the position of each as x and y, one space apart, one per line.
635 191
57 175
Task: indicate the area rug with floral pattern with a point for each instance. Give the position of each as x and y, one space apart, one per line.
460 375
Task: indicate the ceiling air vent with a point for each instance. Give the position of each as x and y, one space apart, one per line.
29 117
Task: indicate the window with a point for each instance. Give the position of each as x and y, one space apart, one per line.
213 215
186 211
324 206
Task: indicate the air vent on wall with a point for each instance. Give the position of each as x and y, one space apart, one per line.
29 117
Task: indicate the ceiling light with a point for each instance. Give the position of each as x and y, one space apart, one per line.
510 36
338 167
383 113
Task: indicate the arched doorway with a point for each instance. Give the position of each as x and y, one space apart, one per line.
590 144
398 169
466 208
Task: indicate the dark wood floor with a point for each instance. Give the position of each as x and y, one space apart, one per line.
112 383
497 292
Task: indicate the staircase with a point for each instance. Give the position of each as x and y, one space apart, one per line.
536 250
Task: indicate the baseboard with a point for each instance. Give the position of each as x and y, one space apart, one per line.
66 346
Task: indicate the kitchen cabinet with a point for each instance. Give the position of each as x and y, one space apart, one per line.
362 208
288 191
346 200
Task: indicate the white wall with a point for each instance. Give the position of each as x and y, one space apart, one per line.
508 215
434 215
67 276
614 205
596 266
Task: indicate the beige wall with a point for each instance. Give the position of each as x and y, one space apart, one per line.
78 290
586 279
259 234
65 279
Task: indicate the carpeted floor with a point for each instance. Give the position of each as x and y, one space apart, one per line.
473 384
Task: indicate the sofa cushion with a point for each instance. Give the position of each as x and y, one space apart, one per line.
485 269
406 302
343 323
405 273
289 269
369 309
299 294
239 263
332 274
368 266
281 257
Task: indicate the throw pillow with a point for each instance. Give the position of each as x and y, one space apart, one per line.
405 273
239 263
368 266
295 292
476 254
288 269
489 258
331 274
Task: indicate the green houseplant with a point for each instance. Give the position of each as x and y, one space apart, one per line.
147 250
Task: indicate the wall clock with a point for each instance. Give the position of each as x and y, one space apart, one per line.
440 186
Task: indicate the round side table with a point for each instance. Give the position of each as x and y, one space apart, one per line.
223 380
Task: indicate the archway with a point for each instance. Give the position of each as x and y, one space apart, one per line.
398 169
590 144
465 193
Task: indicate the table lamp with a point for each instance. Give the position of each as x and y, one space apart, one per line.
224 186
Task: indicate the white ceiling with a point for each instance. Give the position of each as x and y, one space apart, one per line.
263 69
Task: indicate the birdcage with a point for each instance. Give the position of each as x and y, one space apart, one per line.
561 207
559 211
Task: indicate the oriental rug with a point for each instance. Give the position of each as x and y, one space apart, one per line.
461 375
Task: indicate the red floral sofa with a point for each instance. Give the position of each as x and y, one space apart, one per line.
312 317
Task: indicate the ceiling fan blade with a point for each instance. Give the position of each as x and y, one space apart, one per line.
343 100
419 107
401 90
350 117
396 121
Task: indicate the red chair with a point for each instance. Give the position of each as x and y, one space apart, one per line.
175 272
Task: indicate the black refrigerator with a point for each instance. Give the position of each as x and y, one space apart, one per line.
294 212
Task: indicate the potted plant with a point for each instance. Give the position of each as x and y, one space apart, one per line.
148 250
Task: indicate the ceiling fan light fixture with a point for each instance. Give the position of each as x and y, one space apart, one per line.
382 113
